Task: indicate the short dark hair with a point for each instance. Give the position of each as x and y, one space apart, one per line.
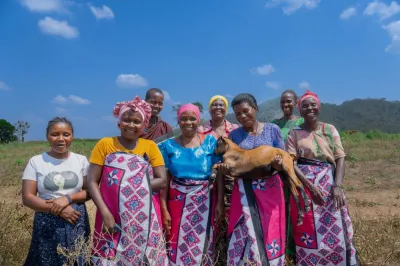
291 92
244 98
57 120
153 90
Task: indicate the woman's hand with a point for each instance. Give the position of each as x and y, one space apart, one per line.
223 168
108 222
316 195
337 197
70 215
58 204
166 219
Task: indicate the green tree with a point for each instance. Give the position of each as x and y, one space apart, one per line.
21 128
7 131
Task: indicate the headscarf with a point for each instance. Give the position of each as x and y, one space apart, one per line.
218 97
188 107
306 95
136 105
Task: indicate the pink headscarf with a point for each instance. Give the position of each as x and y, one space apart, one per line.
306 95
136 105
189 107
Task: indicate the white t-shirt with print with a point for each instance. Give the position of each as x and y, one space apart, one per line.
56 177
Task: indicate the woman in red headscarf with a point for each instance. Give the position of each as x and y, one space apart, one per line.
326 236
128 229
190 206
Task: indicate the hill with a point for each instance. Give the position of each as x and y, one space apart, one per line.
357 114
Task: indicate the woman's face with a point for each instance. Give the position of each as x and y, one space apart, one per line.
217 109
288 101
188 123
245 114
60 137
309 109
156 102
131 125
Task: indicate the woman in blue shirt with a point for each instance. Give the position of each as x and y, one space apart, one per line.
191 206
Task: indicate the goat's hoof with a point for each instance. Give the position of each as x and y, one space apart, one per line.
299 222
307 208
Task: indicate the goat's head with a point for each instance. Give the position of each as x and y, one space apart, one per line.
222 146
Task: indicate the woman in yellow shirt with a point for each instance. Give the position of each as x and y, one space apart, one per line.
128 225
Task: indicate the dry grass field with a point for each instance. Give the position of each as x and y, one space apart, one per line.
372 185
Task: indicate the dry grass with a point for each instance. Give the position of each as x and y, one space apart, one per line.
372 187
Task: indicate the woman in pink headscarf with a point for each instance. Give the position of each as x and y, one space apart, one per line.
326 235
190 206
129 170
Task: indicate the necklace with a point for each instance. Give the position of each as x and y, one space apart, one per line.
180 139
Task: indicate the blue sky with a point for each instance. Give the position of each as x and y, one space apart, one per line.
78 58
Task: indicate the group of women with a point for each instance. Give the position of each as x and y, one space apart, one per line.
159 202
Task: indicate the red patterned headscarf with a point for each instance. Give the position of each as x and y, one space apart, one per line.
306 95
136 105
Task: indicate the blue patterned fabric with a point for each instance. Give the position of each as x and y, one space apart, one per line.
271 135
49 231
189 163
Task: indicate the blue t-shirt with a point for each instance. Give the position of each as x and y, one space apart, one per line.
189 163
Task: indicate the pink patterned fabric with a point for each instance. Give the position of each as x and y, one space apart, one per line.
256 225
137 105
326 235
125 188
189 107
192 237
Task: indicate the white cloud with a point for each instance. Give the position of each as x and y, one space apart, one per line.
304 85
103 12
348 13
393 29
59 99
61 28
291 6
44 6
273 85
78 100
131 81
264 70
228 95
4 86
382 10
60 110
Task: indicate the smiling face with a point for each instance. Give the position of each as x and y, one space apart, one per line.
217 109
156 101
288 101
245 114
60 137
188 123
131 125
309 110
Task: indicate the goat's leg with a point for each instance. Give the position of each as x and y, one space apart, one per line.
300 213
306 198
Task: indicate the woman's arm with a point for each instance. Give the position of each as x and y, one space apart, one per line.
337 192
339 173
159 181
166 217
94 176
30 198
316 194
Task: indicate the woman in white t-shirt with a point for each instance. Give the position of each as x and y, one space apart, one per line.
54 185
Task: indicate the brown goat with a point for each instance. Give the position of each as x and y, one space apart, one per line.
256 161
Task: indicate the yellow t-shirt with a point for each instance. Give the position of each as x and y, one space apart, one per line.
109 145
